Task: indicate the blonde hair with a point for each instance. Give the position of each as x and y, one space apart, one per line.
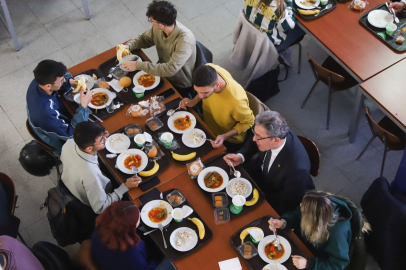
317 216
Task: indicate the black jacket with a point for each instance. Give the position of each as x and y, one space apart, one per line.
289 176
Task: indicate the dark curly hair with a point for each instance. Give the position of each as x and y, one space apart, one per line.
117 226
163 12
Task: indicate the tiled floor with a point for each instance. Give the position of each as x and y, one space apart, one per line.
58 30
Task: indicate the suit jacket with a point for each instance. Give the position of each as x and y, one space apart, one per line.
288 178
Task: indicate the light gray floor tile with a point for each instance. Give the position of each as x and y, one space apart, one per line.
70 28
9 57
215 25
18 119
233 6
81 50
4 35
193 8
79 4
106 13
120 32
10 136
47 11
23 18
13 89
35 45
60 56
139 9
31 195
26 237
15 3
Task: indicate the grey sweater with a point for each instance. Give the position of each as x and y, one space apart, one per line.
177 54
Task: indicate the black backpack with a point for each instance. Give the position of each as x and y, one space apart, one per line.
71 221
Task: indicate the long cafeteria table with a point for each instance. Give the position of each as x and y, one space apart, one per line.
355 48
119 120
219 248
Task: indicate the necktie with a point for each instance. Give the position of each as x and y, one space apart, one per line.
268 156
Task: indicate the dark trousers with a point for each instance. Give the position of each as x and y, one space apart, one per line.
292 37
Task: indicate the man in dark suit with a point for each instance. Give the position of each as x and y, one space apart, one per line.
282 168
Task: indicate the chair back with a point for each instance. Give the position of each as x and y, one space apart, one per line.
10 190
324 73
255 104
203 55
38 139
313 153
392 141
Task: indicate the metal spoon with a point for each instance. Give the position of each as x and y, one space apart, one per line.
146 233
275 241
327 7
162 231
172 111
237 174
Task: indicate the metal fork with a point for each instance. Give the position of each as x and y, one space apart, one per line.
162 231
97 118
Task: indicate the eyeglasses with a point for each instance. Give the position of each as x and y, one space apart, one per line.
102 140
259 138
61 81
152 21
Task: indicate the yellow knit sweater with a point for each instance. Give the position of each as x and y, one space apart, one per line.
228 109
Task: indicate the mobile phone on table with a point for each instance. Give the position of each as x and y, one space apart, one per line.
168 93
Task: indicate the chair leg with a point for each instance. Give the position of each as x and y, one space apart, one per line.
300 58
384 155
329 108
365 148
308 95
22 239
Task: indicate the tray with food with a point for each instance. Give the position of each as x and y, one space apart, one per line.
230 197
150 84
313 9
101 95
129 147
253 243
381 23
180 135
184 230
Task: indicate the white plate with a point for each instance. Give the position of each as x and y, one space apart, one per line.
90 81
136 76
153 204
380 18
185 247
244 181
285 244
274 267
187 138
202 174
131 57
308 5
178 115
116 146
110 94
126 153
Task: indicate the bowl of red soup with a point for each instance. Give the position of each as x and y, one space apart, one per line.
155 212
270 253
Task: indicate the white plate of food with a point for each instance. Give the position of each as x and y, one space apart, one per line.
89 80
194 138
380 18
239 186
274 267
183 239
101 98
155 212
307 4
267 250
212 179
144 79
182 122
130 158
117 143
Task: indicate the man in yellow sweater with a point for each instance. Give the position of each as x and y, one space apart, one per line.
225 105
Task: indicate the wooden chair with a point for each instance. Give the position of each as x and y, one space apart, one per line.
388 132
45 146
334 76
8 185
314 154
255 104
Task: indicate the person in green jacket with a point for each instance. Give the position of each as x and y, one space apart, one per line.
324 224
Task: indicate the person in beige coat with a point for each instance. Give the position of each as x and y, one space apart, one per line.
175 44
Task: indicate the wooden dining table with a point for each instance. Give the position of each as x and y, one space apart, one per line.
120 120
356 49
219 248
